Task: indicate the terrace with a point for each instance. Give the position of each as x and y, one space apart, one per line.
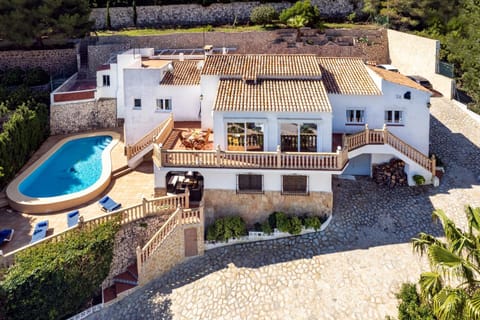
74 89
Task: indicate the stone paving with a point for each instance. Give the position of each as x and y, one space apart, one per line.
350 271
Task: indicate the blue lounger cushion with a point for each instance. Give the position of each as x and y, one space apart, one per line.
40 231
108 204
6 235
72 218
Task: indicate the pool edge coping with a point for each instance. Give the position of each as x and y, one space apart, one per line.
26 204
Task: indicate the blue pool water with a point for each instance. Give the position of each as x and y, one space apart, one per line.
74 167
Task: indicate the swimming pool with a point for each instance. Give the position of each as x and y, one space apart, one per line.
74 171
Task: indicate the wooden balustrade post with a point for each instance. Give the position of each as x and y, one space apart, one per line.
279 157
187 198
144 205
217 156
129 151
385 134
344 141
367 134
434 166
139 262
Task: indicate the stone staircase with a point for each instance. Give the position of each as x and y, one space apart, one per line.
120 172
121 283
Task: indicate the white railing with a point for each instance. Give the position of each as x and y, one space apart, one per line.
157 135
240 159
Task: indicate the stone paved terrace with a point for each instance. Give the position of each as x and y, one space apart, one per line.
351 271
127 189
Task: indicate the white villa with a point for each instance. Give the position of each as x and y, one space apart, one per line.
251 134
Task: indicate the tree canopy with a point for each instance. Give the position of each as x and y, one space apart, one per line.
27 22
301 11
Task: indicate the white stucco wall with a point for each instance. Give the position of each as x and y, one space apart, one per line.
416 125
226 179
208 89
419 57
107 91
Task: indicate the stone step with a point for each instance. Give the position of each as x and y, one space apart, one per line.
133 270
125 278
122 287
109 294
120 172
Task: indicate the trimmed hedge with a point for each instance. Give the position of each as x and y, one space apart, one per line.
23 133
57 280
226 228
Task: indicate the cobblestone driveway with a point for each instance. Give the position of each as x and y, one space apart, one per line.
350 271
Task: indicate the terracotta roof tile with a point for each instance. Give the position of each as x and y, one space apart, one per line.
263 66
398 78
184 73
272 96
347 76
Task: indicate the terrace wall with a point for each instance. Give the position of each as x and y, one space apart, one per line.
215 14
257 207
81 116
56 61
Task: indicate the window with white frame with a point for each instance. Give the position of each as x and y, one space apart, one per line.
249 183
295 184
106 80
394 117
137 103
164 104
355 116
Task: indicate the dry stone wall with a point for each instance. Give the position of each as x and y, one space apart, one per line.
82 116
56 62
170 253
128 239
215 14
257 207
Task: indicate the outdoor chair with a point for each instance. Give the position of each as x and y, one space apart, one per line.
40 231
6 235
108 204
72 218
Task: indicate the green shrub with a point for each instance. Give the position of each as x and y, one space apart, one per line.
411 306
419 179
312 223
13 77
266 228
294 225
303 9
56 280
36 76
226 228
279 220
22 134
263 15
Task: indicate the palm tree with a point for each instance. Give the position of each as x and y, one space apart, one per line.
453 285
297 22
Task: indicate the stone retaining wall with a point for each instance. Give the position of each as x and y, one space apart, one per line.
127 240
257 207
56 62
82 116
215 14
170 253
330 44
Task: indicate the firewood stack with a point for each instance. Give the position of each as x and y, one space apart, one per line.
391 173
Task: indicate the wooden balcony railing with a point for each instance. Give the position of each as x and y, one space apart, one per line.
383 136
178 218
241 159
288 160
161 205
156 135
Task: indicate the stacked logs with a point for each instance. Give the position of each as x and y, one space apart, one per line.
391 173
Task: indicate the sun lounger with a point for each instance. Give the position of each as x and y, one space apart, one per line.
6 235
40 231
108 204
72 218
